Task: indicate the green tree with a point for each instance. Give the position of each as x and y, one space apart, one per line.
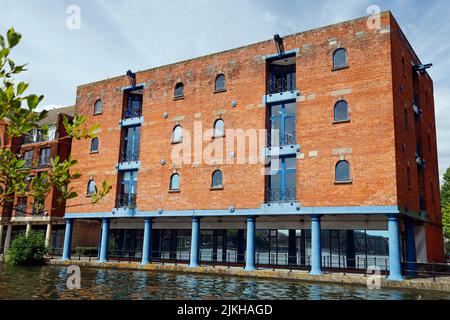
19 111
27 249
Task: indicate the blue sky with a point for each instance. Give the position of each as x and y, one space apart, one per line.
119 35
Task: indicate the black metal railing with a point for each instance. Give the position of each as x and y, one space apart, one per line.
126 201
281 195
37 137
277 140
281 85
44 161
271 260
128 156
20 210
132 112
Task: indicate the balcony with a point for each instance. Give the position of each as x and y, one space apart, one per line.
43 162
281 195
21 210
281 85
129 156
37 137
277 140
420 161
126 201
133 112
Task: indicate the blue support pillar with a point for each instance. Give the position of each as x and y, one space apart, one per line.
67 240
316 249
146 246
250 253
195 243
411 258
104 243
395 268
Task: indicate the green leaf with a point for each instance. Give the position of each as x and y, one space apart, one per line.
33 101
13 38
21 87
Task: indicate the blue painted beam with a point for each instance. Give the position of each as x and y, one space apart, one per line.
284 209
104 243
195 243
147 245
316 248
250 251
67 240
395 269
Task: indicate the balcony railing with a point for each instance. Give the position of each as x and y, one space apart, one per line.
38 137
279 195
28 163
20 210
281 85
133 112
276 140
38 212
126 201
129 156
44 162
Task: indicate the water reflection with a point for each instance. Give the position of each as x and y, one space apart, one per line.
49 282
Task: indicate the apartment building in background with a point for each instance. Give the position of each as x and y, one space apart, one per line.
37 149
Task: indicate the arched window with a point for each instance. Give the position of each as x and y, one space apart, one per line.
220 82
219 128
341 111
177 134
94 145
340 58
216 182
175 182
98 106
91 187
343 171
408 176
179 89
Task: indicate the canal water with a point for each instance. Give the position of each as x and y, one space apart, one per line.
50 282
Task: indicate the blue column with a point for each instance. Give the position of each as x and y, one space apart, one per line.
395 269
316 249
67 240
250 252
195 243
104 243
146 247
411 258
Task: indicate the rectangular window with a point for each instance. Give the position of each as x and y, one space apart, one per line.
28 157
44 157
131 143
134 106
21 206
282 124
282 180
128 190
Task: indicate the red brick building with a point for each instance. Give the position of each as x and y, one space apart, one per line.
38 149
347 169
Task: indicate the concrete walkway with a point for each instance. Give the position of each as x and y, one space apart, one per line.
441 284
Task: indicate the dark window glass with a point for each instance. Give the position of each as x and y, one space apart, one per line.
98 107
179 88
220 82
340 58
44 157
175 182
216 179
94 145
341 111
343 171
28 157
